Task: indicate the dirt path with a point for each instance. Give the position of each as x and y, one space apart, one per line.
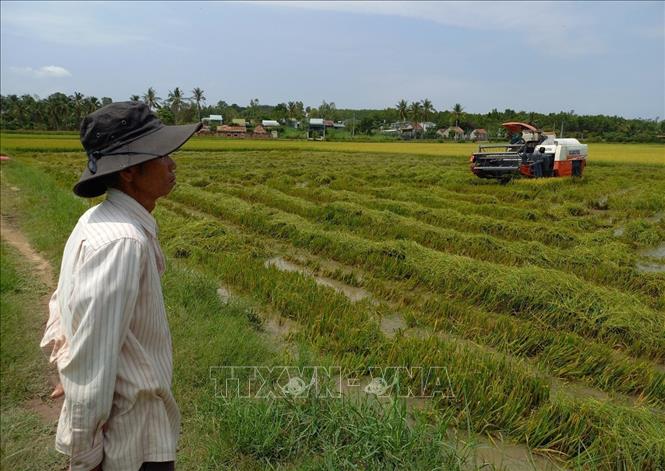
47 409
16 239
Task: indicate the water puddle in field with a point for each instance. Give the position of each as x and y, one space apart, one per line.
655 262
498 454
351 292
224 294
577 390
392 324
656 218
482 452
275 326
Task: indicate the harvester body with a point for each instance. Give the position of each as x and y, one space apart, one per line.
531 153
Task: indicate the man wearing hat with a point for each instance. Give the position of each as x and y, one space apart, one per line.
107 328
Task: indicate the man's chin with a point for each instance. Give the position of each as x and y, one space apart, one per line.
170 188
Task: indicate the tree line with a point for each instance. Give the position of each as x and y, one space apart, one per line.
60 112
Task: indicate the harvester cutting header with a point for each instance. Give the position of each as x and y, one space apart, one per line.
530 153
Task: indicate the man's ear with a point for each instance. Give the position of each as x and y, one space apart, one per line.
127 175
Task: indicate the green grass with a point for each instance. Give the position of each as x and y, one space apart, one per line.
514 287
207 333
27 441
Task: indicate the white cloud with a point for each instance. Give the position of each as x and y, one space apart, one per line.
47 71
71 24
554 28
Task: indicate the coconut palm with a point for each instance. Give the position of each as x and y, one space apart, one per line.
427 108
416 110
77 100
176 102
198 97
57 107
92 103
151 99
254 109
291 109
134 98
31 110
458 110
300 110
402 109
12 106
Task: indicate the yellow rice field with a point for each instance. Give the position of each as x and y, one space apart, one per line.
600 152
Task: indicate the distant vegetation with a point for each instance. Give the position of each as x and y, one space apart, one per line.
60 112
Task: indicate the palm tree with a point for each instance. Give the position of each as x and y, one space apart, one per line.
291 108
92 103
134 98
402 108
176 100
12 107
31 109
458 110
197 96
427 108
77 98
57 106
151 99
416 111
254 109
300 110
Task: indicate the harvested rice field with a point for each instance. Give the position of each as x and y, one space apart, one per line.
532 314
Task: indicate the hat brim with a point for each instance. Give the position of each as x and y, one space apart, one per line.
164 141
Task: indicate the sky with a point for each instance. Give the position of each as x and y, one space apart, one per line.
590 57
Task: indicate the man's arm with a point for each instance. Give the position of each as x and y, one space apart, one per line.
102 305
53 341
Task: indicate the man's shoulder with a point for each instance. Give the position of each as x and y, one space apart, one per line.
105 223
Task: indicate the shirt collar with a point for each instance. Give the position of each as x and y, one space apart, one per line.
129 204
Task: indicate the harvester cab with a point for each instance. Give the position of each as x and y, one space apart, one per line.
530 153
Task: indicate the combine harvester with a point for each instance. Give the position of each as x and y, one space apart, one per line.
530 153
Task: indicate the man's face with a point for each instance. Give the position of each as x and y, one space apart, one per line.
155 178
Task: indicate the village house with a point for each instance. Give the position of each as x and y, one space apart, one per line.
212 120
453 132
270 123
479 134
260 132
231 131
208 122
316 128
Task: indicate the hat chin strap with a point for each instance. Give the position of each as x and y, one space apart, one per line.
94 156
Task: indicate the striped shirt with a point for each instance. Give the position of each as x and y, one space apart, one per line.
108 334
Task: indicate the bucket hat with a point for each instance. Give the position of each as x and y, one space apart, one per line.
121 135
